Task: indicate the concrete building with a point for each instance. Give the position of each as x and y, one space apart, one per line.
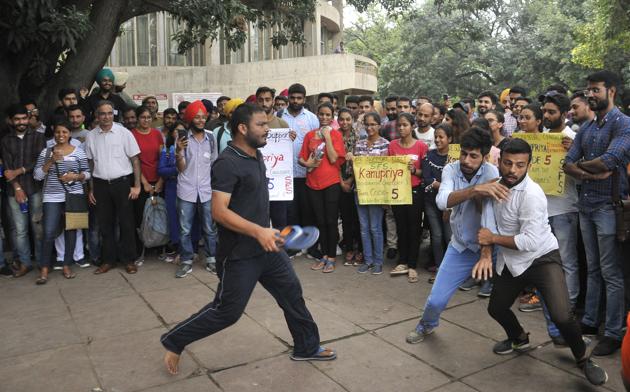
147 52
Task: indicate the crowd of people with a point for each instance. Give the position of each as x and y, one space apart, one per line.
487 221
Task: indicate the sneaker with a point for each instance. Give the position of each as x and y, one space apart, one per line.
485 290
6 270
377 269
593 373
139 261
183 270
508 346
58 266
363 268
391 253
532 305
212 268
606 346
83 263
468 284
418 334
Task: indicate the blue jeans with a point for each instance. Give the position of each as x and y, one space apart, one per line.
21 222
53 214
603 260
440 230
564 227
455 269
186 212
371 228
93 235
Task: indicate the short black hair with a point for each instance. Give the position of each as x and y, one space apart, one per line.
325 95
65 91
441 108
296 88
391 98
557 87
481 123
184 104
425 97
129 109
403 98
243 115
493 97
16 108
364 98
265 89
352 99
221 98
470 100
282 98
72 108
523 98
169 111
609 78
517 146
518 90
581 95
28 101
476 138
560 100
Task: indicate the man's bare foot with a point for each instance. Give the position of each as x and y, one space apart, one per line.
172 361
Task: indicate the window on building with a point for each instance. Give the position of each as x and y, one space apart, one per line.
124 53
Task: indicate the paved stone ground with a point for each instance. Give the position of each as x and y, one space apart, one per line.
101 333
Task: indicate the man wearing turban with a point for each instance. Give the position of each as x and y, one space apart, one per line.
105 92
223 132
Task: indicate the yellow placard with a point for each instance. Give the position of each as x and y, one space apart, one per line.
382 180
453 153
548 156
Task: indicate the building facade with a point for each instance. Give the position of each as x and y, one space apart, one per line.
147 51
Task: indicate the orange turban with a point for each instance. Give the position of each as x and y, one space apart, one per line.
193 109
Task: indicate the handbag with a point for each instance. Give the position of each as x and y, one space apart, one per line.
76 207
622 211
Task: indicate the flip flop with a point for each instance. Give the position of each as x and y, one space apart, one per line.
323 354
41 281
296 237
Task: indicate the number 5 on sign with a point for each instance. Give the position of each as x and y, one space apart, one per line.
382 180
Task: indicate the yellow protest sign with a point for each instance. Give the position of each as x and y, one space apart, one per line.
547 159
453 153
382 180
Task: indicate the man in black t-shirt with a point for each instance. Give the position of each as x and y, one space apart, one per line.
248 249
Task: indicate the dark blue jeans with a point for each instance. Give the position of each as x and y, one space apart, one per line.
53 215
237 281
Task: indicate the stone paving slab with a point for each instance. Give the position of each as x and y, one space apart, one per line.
200 383
87 287
455 387
177 305
274 375
367 363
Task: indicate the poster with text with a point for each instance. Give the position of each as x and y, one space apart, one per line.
278 156
382 180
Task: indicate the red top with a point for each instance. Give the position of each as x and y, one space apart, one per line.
150 146
326 174
417 152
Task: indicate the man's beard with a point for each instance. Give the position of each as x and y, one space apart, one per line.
552 124
597 105
295 107
482 110
392 117
194 128
253 142
515 183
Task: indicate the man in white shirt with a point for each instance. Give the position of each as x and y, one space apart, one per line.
424 131
527 254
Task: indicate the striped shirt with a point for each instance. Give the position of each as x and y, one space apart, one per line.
75 162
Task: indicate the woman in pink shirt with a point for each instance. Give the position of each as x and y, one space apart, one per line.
409 217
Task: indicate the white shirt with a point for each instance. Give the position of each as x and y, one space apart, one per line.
558 205
427 137
524 216
111 151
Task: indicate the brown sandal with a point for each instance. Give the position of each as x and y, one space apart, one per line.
68 274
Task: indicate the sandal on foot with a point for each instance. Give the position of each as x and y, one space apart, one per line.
41 280
329 267
400 269
412 276
319 265
323 354
69 275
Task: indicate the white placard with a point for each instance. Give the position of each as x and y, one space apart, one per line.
278 156
190 97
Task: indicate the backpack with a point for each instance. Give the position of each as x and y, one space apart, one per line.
220 135
154 228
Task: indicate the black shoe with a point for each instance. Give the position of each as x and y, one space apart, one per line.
391 253
588 330
510 345
6 270
606 346
593 373
559 342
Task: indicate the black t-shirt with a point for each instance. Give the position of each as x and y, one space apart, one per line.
244 177
94 99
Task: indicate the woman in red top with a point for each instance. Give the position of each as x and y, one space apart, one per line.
150 142
409 217
322 154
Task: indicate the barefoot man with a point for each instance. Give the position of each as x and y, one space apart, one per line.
247 250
